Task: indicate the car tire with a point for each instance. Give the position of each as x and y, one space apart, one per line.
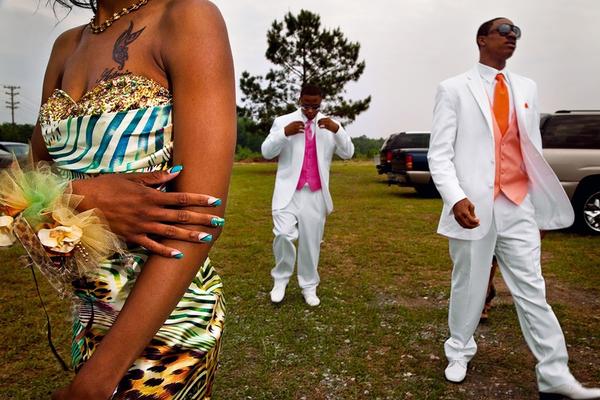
587 208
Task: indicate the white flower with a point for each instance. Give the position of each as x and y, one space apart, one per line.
6 231
61 239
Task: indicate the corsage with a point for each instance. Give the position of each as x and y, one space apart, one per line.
38 209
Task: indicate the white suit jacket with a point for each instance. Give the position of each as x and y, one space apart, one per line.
462 159
290 150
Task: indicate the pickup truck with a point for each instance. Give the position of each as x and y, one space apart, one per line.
403 158
410 167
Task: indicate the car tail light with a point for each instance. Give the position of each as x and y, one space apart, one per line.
388 156
409 161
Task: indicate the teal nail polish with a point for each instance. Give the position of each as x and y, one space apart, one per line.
216 203
175 169
177 254
206 239
216 221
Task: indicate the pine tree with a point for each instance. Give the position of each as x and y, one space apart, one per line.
303 52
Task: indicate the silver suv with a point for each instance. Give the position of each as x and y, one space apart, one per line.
571 142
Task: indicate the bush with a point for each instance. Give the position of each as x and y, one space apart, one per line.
245 154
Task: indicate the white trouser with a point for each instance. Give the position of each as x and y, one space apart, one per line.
303 220
514 238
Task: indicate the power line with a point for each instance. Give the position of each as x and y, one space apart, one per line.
12 104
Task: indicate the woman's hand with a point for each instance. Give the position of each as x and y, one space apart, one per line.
137 211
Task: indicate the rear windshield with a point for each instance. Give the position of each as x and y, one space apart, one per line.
411 140
572 132
388 141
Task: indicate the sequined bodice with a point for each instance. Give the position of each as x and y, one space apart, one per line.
121 125
122 93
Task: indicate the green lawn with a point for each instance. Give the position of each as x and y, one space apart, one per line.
379 331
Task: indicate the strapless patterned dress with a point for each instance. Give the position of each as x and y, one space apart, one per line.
125 125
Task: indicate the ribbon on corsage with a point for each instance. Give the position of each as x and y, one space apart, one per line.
38 208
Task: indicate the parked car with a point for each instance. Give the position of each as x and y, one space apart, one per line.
409 164
571 141
394 143
8 150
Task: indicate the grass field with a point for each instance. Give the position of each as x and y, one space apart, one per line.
379 331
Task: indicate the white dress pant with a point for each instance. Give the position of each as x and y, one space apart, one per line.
514 238
302 220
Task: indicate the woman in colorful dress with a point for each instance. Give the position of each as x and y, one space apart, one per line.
142 98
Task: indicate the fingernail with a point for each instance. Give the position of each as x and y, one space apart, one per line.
177 254
205 237
217 221
175 169
213 201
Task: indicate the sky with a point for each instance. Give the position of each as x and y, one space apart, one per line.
409 46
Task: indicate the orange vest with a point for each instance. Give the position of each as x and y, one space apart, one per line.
511 177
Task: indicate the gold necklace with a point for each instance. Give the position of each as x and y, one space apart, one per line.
103 26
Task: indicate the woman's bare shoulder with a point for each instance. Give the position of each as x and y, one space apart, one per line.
178 13
67 41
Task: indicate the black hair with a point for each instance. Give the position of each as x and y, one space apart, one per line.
311 90
89 4
484 29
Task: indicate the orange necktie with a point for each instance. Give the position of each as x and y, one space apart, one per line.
501 103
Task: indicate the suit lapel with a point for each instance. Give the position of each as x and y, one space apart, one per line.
319 138
476 87
518 100
298 141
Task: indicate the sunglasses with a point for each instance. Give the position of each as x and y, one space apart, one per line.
307 107
506 29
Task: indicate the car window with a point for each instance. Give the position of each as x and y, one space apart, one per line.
16 149
572 132
411 140
388 141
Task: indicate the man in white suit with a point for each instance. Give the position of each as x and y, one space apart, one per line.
305 142
486 160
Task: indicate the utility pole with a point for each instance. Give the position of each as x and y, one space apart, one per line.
12 104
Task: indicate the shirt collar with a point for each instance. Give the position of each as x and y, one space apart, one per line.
488 73
304 119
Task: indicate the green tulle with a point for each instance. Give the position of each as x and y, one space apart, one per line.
41 190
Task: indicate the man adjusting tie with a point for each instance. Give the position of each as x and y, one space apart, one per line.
305 142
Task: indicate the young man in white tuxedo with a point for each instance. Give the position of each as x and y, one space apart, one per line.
305 142
498 192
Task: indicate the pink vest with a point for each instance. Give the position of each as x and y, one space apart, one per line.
511 177
310 165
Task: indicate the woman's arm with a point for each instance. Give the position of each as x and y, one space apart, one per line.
199 65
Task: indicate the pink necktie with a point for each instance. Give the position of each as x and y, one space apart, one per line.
308 129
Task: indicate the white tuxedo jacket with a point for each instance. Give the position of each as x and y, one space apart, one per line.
290 150
462 159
